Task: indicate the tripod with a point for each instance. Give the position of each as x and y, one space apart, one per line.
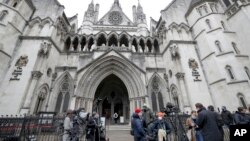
177 125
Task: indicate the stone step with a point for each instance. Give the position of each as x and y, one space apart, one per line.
118 128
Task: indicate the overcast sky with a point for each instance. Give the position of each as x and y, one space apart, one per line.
151 8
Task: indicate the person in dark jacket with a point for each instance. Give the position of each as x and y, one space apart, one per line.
207 122
240 117
219 120
147 116
137 127
91 126
227 116
161 128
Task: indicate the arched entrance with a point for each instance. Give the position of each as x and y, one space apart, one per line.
114 98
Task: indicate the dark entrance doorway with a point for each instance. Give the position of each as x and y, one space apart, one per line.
114 98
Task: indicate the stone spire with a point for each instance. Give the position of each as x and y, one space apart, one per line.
141 17
90 13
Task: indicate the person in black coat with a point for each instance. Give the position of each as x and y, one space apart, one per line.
137 127
227 117
207 122
241 118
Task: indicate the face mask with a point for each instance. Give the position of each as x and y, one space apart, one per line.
160 118
82 114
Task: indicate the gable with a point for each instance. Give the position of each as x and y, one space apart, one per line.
115 17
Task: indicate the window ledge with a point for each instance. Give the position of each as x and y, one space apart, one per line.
224 53
214 29
237 81
226 31
241 55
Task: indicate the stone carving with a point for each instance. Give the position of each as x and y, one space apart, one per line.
44 50
180 75
155 84
36 74
42 94
22 61
193 64
174 51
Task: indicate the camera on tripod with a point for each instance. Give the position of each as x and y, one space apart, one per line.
171 109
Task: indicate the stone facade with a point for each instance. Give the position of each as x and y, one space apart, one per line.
196 52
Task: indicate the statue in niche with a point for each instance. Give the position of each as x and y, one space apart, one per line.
123 45
133 48
193 64
45 49
22 61
103 45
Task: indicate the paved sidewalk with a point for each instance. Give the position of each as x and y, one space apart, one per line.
119 135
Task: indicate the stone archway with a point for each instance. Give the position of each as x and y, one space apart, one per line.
114 98
128 73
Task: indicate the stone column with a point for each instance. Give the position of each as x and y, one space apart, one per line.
112 108
73 103
36 75
185 99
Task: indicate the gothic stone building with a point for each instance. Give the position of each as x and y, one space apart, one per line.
196 52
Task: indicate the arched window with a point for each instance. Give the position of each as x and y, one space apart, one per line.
15 4
208 23
230 72
67 44
160 99
83 43
124 41
113 41
149 44
223 25
154 102
247 72
237 51
3 14
142 45
90 43
174 94
134 43
156 46
218 45
75 44
66 102
227 3
41 100
101 41
59 103
242 100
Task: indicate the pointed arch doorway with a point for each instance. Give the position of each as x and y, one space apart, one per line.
114 98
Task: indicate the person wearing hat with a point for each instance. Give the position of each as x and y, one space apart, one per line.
137 127
68 125
160 127
147 116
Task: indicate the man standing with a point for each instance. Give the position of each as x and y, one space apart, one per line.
139 133
241 117
67 125
207 122
227 117
147 116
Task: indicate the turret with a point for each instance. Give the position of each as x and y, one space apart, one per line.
90 17
134 13
140 20
96 12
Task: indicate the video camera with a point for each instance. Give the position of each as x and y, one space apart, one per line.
171 108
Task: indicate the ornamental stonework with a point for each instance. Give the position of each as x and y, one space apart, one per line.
115 18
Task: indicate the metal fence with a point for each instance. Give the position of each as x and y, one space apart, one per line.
46 127
31 128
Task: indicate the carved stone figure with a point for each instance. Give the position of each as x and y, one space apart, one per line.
45 49
174 51
22 61
193 64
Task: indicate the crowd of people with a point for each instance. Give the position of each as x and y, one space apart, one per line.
204 124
